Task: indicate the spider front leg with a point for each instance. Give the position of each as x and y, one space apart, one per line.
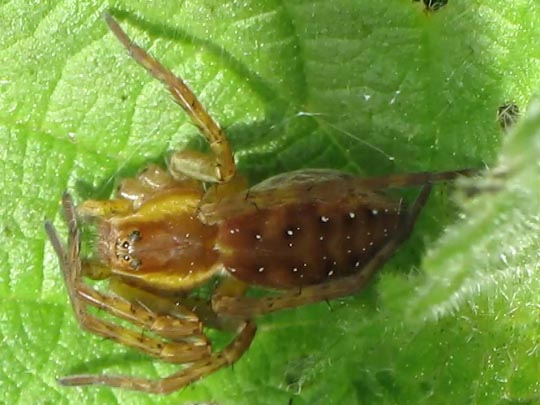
229 355
184 377
132 192
247 308
150 180
218 168
197 369
175 306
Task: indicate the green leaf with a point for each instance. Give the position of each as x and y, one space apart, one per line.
366 87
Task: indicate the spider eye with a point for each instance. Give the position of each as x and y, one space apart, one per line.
134 235
125 245
127 258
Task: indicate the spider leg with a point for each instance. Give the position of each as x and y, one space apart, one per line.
154 177
409 179
105 208
194 346
219 168
150 183
150 180
182 378
246 307
217 192
175 306
184 323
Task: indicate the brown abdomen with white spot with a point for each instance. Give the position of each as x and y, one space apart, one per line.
296 245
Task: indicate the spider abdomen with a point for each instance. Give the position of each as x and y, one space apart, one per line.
300 244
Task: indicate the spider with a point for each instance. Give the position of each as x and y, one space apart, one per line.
312 235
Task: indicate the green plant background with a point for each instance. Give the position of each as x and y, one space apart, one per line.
364 86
